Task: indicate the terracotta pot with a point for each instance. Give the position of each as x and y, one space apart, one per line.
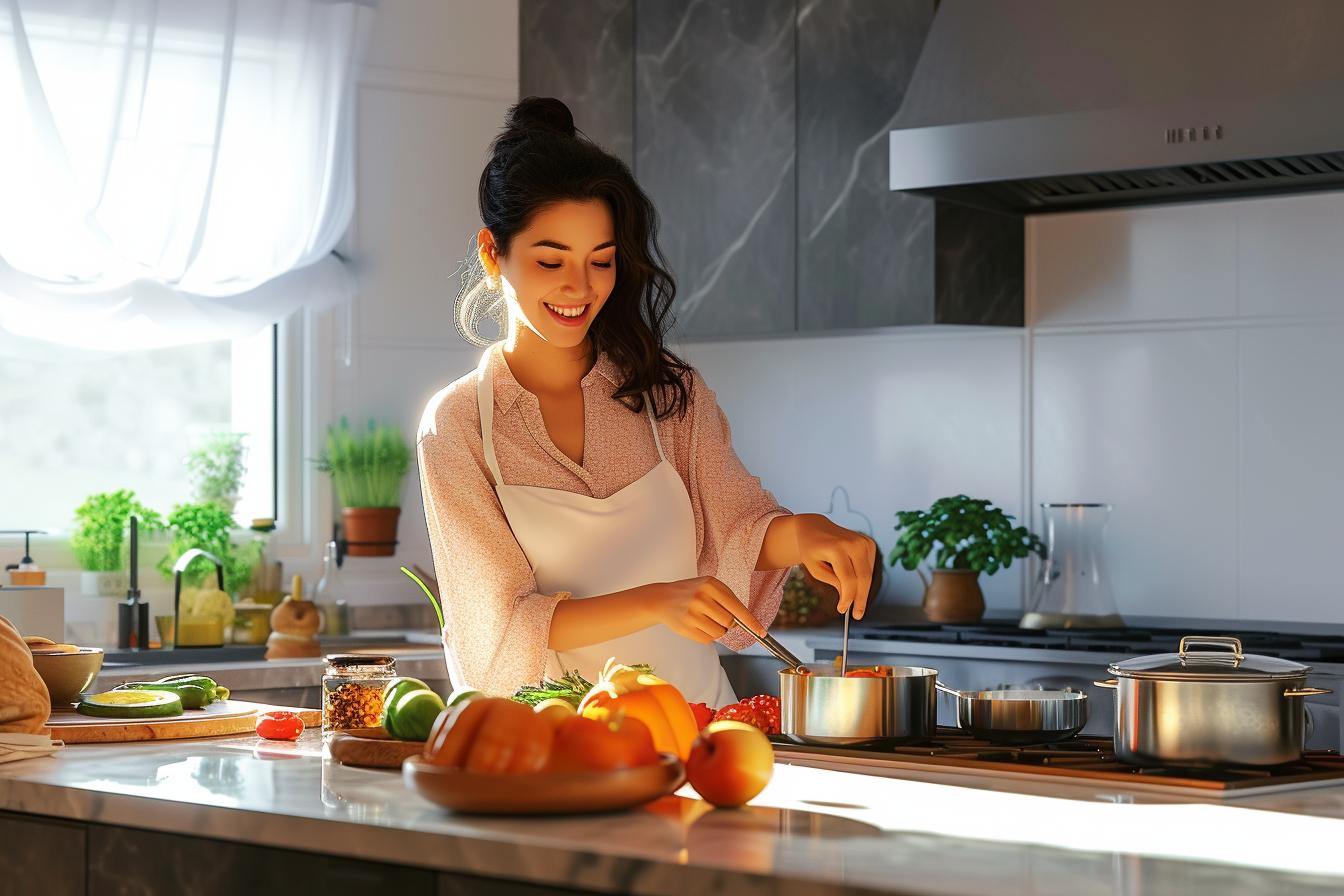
370 531
954 595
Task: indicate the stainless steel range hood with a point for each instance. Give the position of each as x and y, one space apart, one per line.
1051 105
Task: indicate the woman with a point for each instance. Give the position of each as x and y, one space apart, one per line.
581 491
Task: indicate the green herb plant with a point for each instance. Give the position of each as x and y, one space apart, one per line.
366 467
208 526
961 533
216 468
99 537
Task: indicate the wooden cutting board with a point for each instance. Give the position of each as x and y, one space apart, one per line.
372 748
216 720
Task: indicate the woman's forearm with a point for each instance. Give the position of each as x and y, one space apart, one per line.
578 623
779 548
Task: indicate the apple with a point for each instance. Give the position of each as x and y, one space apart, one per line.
730 763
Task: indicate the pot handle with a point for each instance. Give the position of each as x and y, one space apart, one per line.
1305 692
1213 640
1110 683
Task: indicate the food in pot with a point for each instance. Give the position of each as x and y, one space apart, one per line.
131 705
279 725
730 763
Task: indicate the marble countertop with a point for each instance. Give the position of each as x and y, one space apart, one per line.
813 830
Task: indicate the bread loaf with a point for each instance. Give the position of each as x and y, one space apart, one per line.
24 701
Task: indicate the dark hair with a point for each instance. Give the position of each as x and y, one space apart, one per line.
540 159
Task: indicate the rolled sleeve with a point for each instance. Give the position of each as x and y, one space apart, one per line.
733 511
496 624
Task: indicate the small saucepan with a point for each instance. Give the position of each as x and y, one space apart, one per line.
1020 716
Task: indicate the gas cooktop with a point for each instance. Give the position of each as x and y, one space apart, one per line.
1300 647
1082 759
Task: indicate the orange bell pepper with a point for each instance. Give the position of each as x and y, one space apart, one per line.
621 690
491 735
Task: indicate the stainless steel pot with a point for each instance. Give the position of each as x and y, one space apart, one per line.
822 707
1020 716
1209 707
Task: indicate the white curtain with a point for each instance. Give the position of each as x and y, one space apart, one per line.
173 171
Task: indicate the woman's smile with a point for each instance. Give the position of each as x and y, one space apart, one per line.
569 315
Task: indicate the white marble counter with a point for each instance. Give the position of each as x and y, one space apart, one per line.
813 831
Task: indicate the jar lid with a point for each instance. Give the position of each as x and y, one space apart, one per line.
1227 663
342 660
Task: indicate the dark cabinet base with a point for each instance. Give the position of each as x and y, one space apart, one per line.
61 858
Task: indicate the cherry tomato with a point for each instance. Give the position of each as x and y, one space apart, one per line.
279 725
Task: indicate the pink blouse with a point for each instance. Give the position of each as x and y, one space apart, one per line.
496 624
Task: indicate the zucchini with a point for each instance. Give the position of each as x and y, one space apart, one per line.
131 705
192 696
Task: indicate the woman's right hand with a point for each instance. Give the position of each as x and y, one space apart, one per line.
702 608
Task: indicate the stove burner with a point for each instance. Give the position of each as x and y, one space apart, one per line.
1078 757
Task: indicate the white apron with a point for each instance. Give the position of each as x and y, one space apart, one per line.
589 546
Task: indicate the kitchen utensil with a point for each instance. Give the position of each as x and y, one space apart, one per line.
132 615
844 646
779 651
1073 590
215 720
1020 716
544 793
818 706
1209 707
372 748
67 675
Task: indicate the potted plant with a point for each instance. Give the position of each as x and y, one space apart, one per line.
99 538
208 526
216 467
366 469
966 537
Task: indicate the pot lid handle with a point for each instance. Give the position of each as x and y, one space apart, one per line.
1234 644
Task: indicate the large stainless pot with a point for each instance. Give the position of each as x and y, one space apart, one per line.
1209 707
821 707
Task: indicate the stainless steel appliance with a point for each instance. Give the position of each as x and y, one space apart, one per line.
820 706
1020 716
1209 707
1064 104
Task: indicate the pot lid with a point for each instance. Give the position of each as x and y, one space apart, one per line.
1209 658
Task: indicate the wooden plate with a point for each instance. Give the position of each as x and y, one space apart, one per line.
216 720
372 748
547 793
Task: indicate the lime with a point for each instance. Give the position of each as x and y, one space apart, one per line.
393 692
411 717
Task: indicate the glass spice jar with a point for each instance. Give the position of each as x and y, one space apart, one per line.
352 690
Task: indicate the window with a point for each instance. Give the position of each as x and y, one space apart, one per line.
83 422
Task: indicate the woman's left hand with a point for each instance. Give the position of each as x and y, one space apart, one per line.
839 557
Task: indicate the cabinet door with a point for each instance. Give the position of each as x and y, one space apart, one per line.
583 55
865 253
715 150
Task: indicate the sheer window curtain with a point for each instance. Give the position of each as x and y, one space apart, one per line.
173 171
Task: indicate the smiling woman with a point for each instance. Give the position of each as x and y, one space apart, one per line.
582 494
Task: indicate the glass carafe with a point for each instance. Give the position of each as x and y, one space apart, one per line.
1074 588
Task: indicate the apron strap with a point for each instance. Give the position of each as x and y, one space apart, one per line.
653 422
485 403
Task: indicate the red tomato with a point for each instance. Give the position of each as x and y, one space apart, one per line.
865 673
279 725
703 714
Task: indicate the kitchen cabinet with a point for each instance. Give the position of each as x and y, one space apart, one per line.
759 130
37 855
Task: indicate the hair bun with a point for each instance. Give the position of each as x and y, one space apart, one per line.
540 113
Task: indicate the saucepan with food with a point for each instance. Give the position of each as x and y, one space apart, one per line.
823 704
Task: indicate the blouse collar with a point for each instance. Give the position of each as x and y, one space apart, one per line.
507 389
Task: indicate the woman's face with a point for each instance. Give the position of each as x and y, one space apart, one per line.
559 270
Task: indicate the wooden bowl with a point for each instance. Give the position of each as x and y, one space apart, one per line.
68 675
545 793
